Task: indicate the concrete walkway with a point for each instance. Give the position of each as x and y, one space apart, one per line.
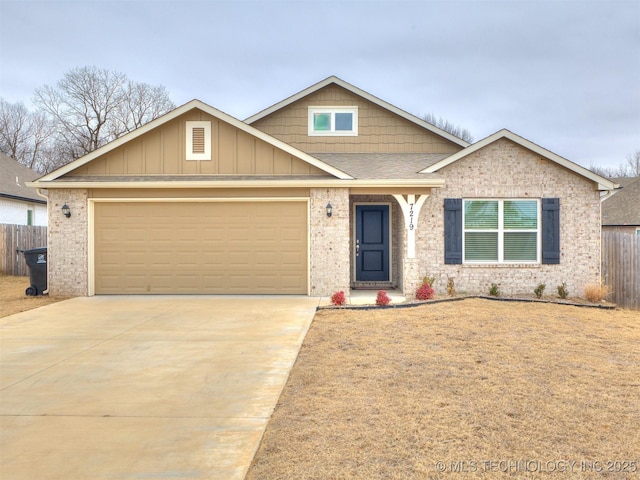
144 387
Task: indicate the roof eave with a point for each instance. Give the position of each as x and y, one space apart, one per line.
603 183
389 183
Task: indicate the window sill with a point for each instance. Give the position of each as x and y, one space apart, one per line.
502 265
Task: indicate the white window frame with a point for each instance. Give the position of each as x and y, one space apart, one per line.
207 140
333 132
501 231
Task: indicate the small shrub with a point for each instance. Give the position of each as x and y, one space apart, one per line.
539 290
451 287
428 280
494 290
425 292
382 298
596 292
562 291
338 298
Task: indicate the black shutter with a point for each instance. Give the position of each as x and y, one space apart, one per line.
550 231
452 231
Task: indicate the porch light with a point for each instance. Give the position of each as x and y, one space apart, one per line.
329 210
66 211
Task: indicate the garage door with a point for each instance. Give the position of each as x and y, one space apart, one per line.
200 247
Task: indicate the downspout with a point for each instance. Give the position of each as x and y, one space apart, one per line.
46 197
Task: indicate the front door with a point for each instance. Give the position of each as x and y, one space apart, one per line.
372 243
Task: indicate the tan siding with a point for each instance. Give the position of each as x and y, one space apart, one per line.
379 130
162 152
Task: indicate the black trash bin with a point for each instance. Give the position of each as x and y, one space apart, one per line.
36 259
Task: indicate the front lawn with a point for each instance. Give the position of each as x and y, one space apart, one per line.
468 389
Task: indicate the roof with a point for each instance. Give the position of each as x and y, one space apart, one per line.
333 80
13 178
623 207
193 104
602 182
383 165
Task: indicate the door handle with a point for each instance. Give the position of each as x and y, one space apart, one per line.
357 247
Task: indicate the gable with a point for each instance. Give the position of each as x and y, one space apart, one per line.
524 144
164 151
379 130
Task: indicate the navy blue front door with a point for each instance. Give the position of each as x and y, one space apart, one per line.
372 243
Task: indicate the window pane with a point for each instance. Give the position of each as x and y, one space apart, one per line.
344 121
322 121
520 246
481 246
520 214
480 215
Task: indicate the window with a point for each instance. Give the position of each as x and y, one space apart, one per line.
501 231
29 217
637 231
199 140
333 121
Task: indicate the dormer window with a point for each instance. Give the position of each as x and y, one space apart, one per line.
333 121
199 140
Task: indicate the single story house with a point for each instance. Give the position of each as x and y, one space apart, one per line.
330 189
621 210
19 204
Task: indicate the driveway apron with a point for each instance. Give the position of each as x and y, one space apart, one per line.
126 387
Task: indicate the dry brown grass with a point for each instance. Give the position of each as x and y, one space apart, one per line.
13 299
389 393
596 292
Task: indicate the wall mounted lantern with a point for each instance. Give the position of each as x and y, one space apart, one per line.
329 210
66 211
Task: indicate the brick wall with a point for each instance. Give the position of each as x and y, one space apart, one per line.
329 241
506 170
67 243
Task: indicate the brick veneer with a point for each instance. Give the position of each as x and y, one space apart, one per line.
329 241
506 170
68 243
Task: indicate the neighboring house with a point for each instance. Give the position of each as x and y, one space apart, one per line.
621 210
19 204
328 190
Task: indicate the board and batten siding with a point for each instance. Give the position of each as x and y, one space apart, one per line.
379 130
162 151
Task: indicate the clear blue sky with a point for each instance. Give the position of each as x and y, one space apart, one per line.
563 74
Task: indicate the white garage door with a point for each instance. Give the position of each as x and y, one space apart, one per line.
200 247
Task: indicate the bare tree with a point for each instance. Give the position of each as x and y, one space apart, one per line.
91 107
630 168
24 135
633 163
449 127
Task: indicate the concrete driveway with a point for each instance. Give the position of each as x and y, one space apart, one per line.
144 387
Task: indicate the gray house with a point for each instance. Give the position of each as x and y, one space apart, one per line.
19 204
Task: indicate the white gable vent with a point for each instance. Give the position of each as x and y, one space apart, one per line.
199 140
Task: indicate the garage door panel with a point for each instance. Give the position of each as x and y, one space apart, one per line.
201 247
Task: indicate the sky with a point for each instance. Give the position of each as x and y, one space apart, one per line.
564 74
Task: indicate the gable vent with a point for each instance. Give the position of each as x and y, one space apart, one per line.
198 142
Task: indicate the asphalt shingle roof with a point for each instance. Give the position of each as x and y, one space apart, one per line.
13 176
381 166
623 207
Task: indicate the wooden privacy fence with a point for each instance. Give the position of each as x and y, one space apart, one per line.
621 268
18 237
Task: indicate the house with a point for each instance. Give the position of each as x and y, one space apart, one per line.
330 189
19 204
621 210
